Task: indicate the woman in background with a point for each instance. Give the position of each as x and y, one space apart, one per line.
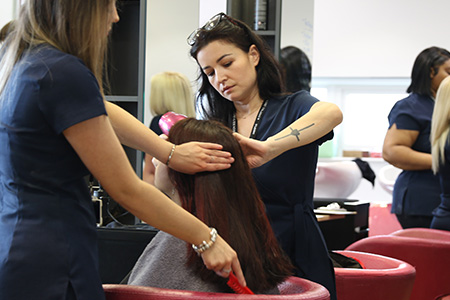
227 200
169 91
407 142
440 152
55 128
242 87
296 69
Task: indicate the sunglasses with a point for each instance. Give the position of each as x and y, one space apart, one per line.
212 23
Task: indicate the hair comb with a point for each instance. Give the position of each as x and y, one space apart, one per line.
234 284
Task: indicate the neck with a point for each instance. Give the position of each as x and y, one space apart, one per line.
249 109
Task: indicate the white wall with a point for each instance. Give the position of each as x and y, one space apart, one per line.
169 23
6 11
375 38
297 24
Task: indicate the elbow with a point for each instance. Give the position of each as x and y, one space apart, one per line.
335 115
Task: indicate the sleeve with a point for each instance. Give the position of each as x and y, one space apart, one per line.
403 115
69 94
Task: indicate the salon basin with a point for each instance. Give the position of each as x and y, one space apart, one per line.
387 176
336 179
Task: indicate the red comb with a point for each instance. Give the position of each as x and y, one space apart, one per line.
236 286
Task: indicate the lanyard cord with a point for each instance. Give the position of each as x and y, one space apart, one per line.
257 121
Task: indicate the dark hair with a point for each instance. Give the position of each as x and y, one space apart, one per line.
429 59
229 201
269 75
296 69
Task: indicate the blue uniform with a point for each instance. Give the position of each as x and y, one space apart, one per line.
48 247
286 185
415 192
441 219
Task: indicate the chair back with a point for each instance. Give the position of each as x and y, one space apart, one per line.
430 257
293 288
424 233
382 278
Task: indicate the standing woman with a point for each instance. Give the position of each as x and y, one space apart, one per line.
54 127
440 151
242 85
407 142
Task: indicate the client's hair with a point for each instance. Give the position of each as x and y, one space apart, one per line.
229 201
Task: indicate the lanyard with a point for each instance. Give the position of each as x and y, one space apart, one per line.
255 125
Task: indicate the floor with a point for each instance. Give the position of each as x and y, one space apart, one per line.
381 221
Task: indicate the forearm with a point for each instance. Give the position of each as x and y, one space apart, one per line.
133 133
321 119
405 158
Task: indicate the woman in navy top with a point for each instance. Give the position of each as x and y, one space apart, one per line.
440 151
54 127
242 85
407 142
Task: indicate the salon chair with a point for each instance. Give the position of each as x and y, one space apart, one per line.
382 278
293 288
424 233
430 257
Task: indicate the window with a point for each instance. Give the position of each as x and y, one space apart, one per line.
365 104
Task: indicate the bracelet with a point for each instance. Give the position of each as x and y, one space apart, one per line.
171 154
199 249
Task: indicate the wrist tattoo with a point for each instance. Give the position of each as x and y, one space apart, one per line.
295 132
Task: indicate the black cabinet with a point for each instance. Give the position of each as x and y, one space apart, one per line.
340 233
246 11
126 65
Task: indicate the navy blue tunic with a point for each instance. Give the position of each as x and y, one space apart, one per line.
286 185
441 219
47 224
415 192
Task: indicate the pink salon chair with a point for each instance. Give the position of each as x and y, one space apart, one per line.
293 288
430 257
383 278
424 233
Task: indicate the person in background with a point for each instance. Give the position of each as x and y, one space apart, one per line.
169 91
6 29
55 128
296 69
227 200
440 153
407 141
241 86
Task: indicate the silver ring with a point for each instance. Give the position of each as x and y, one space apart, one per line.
226 270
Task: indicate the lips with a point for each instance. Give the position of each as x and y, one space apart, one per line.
226 89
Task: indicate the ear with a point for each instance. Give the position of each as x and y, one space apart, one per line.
253 54
432 73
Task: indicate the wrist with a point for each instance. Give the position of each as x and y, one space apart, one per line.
205 245
172 151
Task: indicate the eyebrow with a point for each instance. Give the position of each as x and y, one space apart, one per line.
217 61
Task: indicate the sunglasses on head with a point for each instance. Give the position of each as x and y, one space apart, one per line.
212 23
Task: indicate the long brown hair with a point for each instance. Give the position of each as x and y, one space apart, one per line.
72 26
229 201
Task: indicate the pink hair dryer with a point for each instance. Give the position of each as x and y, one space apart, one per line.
168 119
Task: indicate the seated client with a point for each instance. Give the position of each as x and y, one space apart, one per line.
227 200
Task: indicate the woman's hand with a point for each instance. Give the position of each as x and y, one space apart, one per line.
222 259
256 152
196 157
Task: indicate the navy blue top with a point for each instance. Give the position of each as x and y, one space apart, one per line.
286 185
47 223
441 219
415 192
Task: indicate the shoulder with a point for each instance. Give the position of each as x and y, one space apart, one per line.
301 102
413 102
53 66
